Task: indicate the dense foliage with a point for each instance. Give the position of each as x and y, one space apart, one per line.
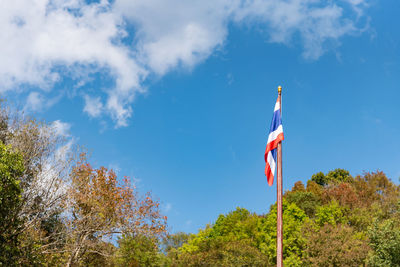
335 220
56 209
11 168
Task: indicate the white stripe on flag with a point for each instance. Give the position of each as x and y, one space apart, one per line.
271 162
277 106
273 135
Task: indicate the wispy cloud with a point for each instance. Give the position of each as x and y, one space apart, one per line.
61 128
93 106
38 102
34 101
45 41
230 78
167 207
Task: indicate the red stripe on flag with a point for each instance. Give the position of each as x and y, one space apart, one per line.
272 145
268 173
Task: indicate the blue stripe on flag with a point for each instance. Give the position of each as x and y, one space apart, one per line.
273 152
276 120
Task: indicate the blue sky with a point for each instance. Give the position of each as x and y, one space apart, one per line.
179 95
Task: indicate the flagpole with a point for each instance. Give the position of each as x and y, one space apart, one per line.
279 229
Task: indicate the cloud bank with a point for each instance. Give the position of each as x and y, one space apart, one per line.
44 41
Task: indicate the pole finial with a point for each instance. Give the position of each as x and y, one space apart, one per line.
279 89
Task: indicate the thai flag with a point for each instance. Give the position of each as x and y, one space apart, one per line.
274 138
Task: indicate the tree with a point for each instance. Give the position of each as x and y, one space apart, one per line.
328 223
331 214
225 253
101 207
94 259
376 187
236 225
46 161
385 242
230 241
11 168
139 250
293 240
339 176
335 176
240 231
342 193
314 188
298 187
172 242
307 201
333 245
320 179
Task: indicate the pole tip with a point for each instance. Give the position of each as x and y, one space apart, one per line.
279 89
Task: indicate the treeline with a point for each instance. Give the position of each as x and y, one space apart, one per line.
335 220
56 209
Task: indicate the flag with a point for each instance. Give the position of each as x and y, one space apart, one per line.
274 138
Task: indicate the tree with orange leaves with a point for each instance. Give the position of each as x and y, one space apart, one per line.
99 206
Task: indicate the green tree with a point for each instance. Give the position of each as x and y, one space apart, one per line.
230 241
329 214
325 224
225 253
339 176
236 225
46 161
320 178
293 240
385 242
171 243
253 235
11 169
307 201
335 176
139 250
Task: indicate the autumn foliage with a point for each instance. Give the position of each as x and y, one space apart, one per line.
100 206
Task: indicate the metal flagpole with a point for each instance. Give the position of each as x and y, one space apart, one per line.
279 238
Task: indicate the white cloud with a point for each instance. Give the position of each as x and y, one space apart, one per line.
61 128
93 106
175 32
315 22
42 41
38 36
34 101
38 102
